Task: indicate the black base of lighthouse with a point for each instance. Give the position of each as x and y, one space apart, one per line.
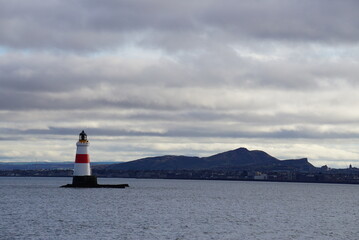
84 181
90 182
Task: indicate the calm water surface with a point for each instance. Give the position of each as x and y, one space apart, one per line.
36 208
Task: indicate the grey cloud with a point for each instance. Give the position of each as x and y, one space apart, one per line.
200 71
62 73
194 132
9 138
31 101
93 25
90 131
326 21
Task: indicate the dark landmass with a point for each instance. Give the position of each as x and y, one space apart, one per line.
240 164
239 159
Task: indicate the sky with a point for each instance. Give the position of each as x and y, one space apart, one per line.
148 78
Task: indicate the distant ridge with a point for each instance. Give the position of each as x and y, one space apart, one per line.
240 158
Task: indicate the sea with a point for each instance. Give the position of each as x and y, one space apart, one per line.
37 208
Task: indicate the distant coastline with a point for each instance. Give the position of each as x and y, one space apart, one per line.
236 165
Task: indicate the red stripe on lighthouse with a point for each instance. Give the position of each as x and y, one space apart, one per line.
82 158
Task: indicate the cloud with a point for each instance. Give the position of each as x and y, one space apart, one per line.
179 76
90 25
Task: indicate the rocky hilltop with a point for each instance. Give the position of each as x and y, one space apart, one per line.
237 159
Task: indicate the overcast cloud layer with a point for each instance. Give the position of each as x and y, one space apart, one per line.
147 78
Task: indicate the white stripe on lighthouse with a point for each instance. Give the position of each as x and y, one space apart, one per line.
81 148
82 169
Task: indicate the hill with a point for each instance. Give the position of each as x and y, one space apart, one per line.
237 159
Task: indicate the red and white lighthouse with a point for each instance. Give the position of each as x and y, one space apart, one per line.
82 161
82 177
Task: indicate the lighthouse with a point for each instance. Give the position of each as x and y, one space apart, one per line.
82 172
82 160
82 177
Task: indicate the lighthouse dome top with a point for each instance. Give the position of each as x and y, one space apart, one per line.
83 137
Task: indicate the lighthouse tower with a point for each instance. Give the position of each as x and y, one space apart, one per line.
82 161
82 177
82 172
